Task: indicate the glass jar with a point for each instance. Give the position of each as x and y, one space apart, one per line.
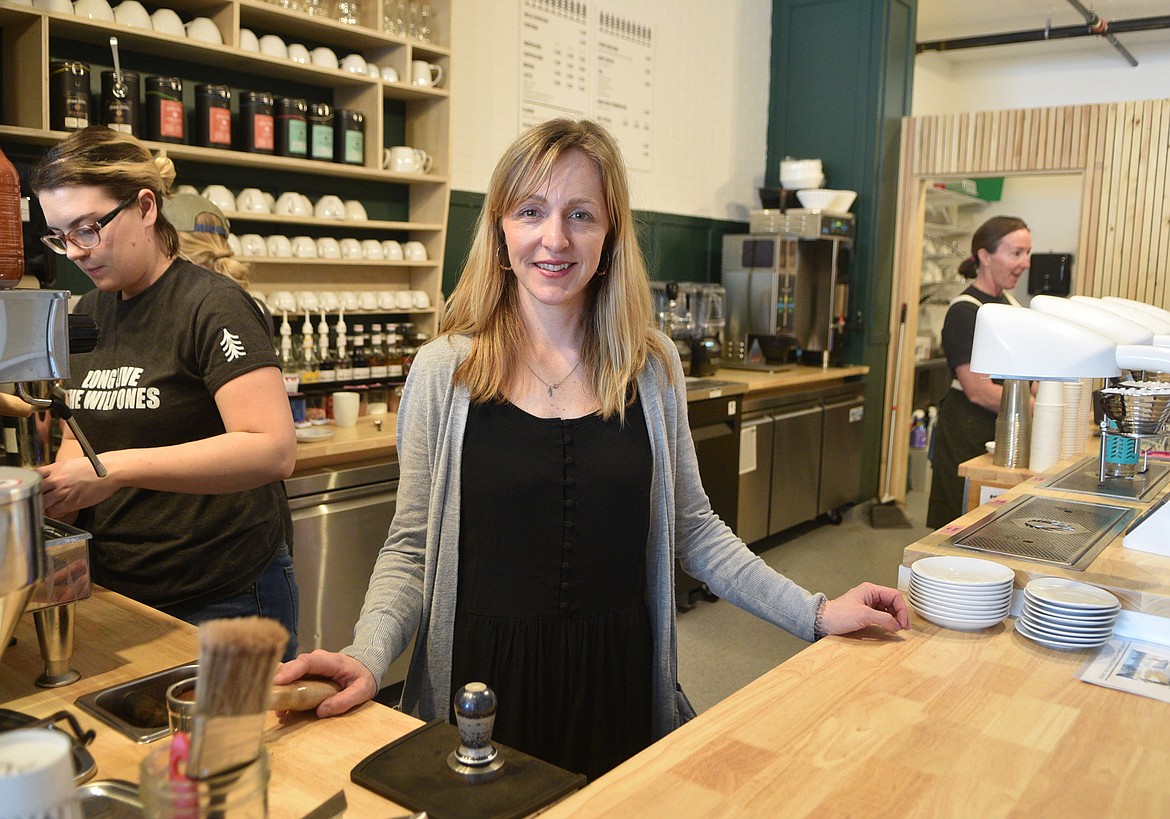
68 95
292 127
349 138
321 131
238 794
164 109
213 116
257 123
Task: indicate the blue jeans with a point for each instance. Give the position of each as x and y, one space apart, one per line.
274 595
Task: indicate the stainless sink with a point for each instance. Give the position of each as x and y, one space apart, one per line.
137 708
1058 532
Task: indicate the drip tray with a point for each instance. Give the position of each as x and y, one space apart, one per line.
1085 477
1058 532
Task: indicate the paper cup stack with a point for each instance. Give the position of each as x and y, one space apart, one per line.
1047 419
963 593
1067 614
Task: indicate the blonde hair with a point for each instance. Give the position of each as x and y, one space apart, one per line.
99 157
618 336
211 250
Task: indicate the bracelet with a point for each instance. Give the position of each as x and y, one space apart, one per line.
819 622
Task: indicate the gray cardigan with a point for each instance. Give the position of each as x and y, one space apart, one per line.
414 579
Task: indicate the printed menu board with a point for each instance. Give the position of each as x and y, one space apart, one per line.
577 60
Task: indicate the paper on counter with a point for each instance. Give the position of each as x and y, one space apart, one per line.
1132 666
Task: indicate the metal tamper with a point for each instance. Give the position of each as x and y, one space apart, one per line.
476 759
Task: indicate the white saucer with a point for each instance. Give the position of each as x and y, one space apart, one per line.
1072 594
1064 645
963 571
314 434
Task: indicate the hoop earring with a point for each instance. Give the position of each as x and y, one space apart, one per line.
603 268
503 263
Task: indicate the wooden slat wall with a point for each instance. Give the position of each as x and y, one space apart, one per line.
1123 152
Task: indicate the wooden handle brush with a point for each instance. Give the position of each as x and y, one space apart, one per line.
237 659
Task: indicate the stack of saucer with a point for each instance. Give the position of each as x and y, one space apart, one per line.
963 593
1060 613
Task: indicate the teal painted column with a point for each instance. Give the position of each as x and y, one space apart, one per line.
842 73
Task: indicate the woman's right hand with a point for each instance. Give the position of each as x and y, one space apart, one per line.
356 681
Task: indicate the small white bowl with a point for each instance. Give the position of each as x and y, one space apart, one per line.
392 250
94 10
349 299
248 39
355 211
273 46
328 248
279 246
132 13
204 30
351 249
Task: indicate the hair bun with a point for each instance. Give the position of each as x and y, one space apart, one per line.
166 169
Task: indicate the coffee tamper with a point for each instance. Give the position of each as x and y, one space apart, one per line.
476 759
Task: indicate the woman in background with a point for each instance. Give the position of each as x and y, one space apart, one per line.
182 398
1001 252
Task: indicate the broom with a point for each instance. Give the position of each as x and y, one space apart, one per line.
237 658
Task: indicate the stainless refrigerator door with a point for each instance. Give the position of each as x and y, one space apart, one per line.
796 468
755 484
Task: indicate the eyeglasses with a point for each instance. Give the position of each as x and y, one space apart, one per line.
85 237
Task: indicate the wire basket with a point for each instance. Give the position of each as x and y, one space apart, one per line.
1137 413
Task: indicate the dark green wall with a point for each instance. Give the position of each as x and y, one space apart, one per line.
842 74
677 248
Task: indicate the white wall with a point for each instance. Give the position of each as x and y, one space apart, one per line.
1004 77
710 100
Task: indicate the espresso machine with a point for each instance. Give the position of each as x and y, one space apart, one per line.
44 564
692 314
786 293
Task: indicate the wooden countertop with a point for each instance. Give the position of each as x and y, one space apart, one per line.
118 640
1141 580
930 722
366 442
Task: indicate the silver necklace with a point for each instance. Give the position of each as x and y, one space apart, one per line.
552 387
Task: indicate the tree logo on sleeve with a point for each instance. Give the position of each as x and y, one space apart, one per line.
231 346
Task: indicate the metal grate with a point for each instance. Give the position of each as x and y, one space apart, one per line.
1047 530
1085 477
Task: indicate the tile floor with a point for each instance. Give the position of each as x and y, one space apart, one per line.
722 648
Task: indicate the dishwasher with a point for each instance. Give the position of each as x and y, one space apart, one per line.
340 519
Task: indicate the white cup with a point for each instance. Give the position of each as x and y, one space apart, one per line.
205 31
251 200
345 408
372 71
279 246
353 63
273 46
304 248
349 299
327 299
389 74
329 207
132 13
328 248
392 250
187 189
351 249
419 299
323 57
308 300
355 211
368 300
290 204
282 301
220 196
425 74
253 244
372 250
94 10
405 159
386 300
248 39
64 7
414 251
37 780
234 243
298 53
402 299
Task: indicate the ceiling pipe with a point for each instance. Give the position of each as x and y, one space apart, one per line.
1042 34
1098 26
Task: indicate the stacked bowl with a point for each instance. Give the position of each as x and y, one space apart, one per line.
1067 614
801 173
963 593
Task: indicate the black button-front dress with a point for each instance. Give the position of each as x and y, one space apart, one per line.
551 610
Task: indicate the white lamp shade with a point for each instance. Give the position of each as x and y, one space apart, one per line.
1151 320
1106 322
1013 342
1155 359
1139 305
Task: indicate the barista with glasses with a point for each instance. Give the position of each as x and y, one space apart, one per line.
182 398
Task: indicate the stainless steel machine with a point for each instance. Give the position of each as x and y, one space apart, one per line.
693 315
786 291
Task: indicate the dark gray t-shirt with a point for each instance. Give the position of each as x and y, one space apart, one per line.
151 382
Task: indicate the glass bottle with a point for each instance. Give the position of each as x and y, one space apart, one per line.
309 363
412 21
327 368
426 23
289 367
377 353
360 355
344 368
393 352
348 12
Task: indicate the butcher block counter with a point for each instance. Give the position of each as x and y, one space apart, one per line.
366 441
118 640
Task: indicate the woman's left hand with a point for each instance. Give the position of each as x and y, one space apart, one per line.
866 605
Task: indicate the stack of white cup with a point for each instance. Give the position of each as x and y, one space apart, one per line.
1074 430
1047 418
36 775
